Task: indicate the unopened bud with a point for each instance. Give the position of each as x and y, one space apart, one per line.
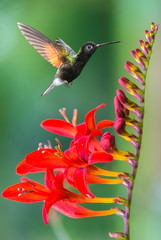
153 26
120 110
156 27
147 34
107 142
119 125
118 235
121 95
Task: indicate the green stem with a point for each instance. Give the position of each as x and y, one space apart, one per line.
129 183
134 168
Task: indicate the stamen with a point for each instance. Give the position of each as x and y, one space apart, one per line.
49 144
63 113
58 142
45 145
75 117
40 146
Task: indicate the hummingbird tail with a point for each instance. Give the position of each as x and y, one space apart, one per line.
57 82
52 85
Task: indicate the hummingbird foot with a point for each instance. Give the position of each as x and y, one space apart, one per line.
67 83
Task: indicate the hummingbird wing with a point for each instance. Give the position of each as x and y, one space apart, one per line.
51 51
64 46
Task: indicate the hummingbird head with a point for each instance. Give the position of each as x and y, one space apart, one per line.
90 47
86 51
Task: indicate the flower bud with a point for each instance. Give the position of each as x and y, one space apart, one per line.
135 71
153 26
118 235
119 125
107 142
147 34
120 110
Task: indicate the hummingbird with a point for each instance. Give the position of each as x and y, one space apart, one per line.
60 55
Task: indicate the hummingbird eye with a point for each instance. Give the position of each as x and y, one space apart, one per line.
89 47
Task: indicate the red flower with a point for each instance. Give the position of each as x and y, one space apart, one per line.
54 195
65 128
74 162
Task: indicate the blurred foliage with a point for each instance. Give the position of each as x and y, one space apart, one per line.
24 75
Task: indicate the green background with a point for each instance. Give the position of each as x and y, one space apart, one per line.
24 75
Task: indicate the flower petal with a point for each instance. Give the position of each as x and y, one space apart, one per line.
60 127
81 128
24 168
80 179
46 158
26 191
90 119
60 179
93 144
92 179
69 175
74 210
82 148
49 178
99 157
104 124
92 169
77 178
73 158
46 208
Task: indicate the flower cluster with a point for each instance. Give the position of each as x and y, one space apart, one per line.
123 105
75 165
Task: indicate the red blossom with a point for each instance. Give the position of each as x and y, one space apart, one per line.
85 150
54 195
76 165
75 159
65 128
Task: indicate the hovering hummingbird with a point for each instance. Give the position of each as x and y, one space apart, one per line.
60 55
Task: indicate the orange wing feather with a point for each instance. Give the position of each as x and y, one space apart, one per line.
44 46
52 55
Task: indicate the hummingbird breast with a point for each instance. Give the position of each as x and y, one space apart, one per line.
70 71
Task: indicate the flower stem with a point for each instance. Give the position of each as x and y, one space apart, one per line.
122 107
135 163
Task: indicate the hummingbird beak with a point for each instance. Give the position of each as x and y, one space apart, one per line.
103 44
